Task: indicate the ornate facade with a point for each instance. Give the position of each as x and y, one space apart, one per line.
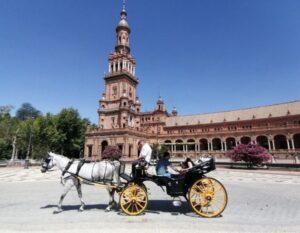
275 127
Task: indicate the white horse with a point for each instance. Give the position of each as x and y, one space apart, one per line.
103 171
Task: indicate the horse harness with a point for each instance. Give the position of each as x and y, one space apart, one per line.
79 166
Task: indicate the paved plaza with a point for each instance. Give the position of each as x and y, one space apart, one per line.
259 201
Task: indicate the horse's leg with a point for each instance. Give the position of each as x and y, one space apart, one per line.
78 188
68 185
112 204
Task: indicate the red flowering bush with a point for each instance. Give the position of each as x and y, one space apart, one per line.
111 153
252 154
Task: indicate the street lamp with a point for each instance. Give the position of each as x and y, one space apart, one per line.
26 164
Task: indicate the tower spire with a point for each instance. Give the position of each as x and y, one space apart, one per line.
121 60
124 4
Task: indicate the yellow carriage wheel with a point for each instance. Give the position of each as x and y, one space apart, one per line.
133 200
208 197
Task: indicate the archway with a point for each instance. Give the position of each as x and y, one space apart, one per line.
103 145
280 142
168 144
263 141
216 144
245 140
297 141
179 145
203 144
191 145
230 143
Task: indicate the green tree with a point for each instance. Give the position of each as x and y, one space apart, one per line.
8 133
31 135
69 139
27 111
44 135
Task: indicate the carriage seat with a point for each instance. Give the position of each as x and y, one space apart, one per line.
126 177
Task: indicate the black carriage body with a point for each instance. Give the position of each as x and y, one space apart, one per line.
206 196
179 184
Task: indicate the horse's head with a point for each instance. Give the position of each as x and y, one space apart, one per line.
48 163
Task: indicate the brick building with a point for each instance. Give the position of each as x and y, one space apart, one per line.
275 127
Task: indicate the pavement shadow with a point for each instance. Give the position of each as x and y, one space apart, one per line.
166 206
76 207
156 206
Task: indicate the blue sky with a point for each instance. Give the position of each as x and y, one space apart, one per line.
199 55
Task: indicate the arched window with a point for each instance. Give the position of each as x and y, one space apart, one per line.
103 145
179 145
230 143
263 141
280 142
191 145
216 144
297 141
203 144
245 140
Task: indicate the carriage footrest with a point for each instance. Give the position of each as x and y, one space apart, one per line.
126 177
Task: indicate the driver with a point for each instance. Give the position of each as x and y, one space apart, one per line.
145 151
144 156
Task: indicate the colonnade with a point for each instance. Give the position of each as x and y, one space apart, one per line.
121 65
270 142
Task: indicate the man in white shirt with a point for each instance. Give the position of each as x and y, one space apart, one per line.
145 155
145 151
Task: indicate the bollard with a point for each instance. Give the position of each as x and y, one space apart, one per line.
26 164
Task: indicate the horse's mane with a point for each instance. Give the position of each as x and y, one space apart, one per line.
54 154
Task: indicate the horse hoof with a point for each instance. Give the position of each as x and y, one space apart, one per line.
57 211
107 210
80 210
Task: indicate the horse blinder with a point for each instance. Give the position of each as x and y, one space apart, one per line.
45 165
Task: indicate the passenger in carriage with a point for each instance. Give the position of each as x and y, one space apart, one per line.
186 165
164 166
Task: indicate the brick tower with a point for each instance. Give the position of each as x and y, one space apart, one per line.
119 104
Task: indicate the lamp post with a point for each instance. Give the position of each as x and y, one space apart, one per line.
26 164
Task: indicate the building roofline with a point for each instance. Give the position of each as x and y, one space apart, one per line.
233 110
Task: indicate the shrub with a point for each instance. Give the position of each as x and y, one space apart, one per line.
252 154
111 153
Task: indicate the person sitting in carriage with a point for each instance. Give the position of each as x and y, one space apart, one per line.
164 166
186 165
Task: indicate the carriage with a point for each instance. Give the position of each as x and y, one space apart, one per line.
206 196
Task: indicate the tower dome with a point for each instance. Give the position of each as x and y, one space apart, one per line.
160 100
123 24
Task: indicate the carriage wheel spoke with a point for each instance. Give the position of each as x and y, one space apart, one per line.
129 205
139 204
208 197
136 200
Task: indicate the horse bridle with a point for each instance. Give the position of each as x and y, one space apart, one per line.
46 163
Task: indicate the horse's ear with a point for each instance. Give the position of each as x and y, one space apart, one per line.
50 153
